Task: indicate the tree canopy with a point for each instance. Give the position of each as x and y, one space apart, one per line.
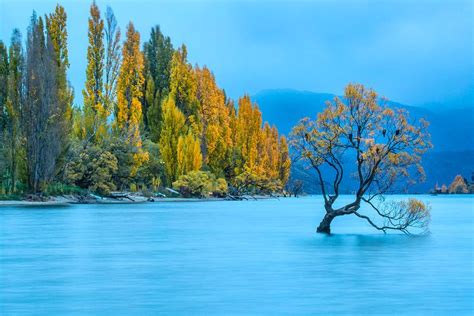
383 148
149 117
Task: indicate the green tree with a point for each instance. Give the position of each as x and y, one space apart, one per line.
56 27
95 111
3 84
158 52
188 154
13 108
183 88
3 117
173 126
200 184
216 132
284 164
112 60
128 117
41 114
93 169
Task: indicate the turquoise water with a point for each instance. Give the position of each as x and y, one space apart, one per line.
221 258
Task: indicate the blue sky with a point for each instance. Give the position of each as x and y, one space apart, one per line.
414 52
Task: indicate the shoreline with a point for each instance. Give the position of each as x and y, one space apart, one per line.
64 201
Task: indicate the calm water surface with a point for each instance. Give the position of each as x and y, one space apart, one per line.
252 257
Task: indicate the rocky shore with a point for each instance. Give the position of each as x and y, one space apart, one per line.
126 198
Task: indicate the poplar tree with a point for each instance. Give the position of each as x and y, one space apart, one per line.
158 52
216 131
188 154
157 98
13 108
285 161
183 87
95 112
3 103
128 116
56 23
3 83
248 125
112 60
41 113
172 127
180 148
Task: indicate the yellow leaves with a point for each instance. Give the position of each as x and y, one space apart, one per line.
393 158
211 98
129 86
264 155
386 144
458 185
172 127
200 184
56 25
369 142
387 112
415 206
128 116
10 110
189 157
96 114
216 120
180 148
285 162
248 127
421 172
183 84
139 159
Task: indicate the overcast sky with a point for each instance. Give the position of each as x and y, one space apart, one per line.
413 52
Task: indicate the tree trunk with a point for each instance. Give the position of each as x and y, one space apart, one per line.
325 225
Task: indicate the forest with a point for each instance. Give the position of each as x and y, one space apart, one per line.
149 118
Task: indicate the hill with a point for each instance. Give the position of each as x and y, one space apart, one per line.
451 129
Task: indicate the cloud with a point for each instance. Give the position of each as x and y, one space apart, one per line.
410 51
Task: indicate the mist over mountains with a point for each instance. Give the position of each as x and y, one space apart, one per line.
451 129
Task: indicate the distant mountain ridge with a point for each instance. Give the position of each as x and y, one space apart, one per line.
451 129
452 132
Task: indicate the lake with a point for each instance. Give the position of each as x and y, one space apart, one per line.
221 258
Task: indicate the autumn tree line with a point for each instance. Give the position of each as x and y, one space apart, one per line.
460 185
149 118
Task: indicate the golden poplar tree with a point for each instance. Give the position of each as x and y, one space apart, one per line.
248 128
180 149
183 87
261 161
128 116
284 163
172 127
95 113
56 27
188 154
216 135
268 153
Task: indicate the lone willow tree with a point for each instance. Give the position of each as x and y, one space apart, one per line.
360 137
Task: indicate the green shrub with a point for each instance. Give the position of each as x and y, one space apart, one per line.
8 197
93 169
62 189
251 183
200 184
